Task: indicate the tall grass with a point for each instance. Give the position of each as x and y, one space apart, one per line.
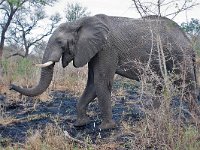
20 70
70 79
23 72
165 127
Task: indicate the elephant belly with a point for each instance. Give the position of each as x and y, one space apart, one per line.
128 72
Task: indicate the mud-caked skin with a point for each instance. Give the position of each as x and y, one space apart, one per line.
116 45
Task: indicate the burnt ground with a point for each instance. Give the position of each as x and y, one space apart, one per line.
61 111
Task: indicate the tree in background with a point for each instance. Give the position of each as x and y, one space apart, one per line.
75 11
29 27
192 28
39 48
8 10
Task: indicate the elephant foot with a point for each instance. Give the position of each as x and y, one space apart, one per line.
107 125
82 121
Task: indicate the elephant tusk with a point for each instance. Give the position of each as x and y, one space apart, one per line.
45 64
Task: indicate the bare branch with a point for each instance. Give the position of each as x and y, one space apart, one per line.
8 14
15 54
182 9
159 7
145 7
136 5
1 2
40 38
76 140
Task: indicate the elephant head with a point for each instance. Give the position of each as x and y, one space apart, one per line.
77 41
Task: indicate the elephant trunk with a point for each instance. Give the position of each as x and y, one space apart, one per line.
51 55
45 80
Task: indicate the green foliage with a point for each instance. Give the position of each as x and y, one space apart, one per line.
197 45
5 65
193 30
41 2
189 139
44 2
19 3
192 27
75 11
18 69
24 67
14 2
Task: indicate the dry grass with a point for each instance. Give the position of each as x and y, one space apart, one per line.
161 129
25 74
70 79
158 130
52 138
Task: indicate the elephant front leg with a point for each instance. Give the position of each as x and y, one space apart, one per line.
103 84
88 95
82 118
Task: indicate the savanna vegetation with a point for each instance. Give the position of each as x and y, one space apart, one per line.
46 121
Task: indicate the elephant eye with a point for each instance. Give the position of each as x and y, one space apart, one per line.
59 42
61 45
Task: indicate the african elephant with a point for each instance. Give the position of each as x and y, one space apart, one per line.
113 45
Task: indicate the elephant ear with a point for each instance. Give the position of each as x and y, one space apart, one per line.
92 35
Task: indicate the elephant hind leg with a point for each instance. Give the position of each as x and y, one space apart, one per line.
88 95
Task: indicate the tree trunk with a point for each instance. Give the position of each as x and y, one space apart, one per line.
1 68
3 34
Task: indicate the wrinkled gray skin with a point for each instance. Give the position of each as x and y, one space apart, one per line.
113 45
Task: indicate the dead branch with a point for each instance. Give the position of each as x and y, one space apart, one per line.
182 9
15 54
144 7
137 7
76 140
